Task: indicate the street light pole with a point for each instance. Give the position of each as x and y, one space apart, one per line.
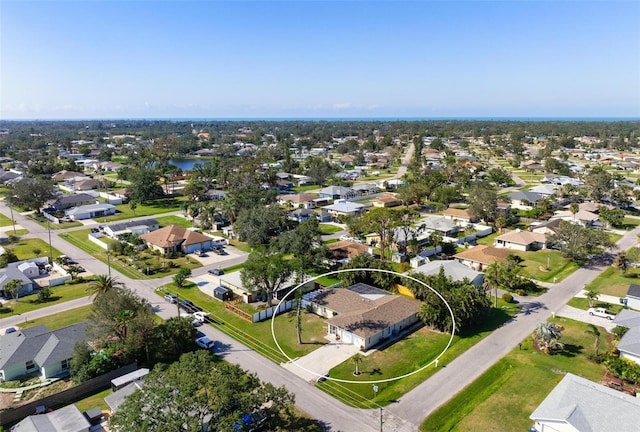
109 262
13 221
50 248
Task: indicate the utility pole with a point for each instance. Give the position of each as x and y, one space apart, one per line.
50 248
109 263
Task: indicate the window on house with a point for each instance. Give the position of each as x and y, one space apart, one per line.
65 364
30 365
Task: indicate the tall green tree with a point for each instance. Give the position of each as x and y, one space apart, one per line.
483 202
379 279
576 242
265 272
179 397
382 221
30 193
103 284
144 186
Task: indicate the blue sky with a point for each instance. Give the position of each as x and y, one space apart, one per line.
160 59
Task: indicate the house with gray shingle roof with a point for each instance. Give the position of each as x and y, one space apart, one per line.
438 223
629 344
633 297
577 404
65 419
90 211
457 271
138 227
73 200
39 351
524 200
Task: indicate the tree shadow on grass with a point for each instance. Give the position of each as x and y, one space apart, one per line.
571 350
5 310
49 300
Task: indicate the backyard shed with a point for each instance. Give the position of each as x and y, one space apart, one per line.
222 293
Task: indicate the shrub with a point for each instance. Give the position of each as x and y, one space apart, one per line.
44 294
521 292
507 297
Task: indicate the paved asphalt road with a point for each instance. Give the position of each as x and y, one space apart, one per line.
414 406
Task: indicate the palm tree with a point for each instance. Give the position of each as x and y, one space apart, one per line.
103 284
357 359
622 262
547 335
592 295
492 277
593 330
574 208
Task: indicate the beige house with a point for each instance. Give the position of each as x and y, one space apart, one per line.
301 200
481 256
521 240
363 315
174 238
386 200
459 216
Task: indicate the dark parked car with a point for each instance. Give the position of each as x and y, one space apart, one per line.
187 305
171 298
216 272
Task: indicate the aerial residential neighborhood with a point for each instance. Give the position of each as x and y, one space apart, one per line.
457 256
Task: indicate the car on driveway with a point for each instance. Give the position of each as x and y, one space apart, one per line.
216 272
196 322
601 312
171 298
205 342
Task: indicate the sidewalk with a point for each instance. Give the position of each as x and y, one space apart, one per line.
602 297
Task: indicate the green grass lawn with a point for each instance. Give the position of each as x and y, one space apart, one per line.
258 336
43 222
488 240
613 282
148 209
627 224
233 268
174 220
62 319
504 396
4 220
23 248
59 294
326 229
79 238
559 267
244 247
94 401
403 357
306 188
583 303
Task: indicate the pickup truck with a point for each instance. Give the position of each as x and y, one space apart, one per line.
601 312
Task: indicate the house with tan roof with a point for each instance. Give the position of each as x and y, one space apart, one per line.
301 200
521 240
345 249
174 238
363 315
481 256
386 200
583 217
459 216
66 175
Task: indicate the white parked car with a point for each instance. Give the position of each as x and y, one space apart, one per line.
601 312
195 321
205 342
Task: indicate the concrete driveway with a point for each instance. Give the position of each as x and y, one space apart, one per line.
213 259
583 315
321 361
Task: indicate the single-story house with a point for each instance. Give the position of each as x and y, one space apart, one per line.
90 211
548 227
386 200
302 200
633 296
363 315
345 249
582 217
577 404
38 350
344 208
337 192
301 215
481 256
524 200
174 238
139 227
521 240
453 269
233 281
74 200
66 175
84 185
438 223
390 184
67 419
546 190
459 216
629 344
117 398
23 271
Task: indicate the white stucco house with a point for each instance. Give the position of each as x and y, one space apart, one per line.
90 211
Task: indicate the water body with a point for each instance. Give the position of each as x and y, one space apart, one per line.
185 164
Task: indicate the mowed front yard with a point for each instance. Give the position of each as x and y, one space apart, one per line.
159 266
24 248
258 336
403 357
504 397
123 211
536 262
614 282
59 294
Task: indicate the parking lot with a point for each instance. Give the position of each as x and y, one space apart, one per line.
212 258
